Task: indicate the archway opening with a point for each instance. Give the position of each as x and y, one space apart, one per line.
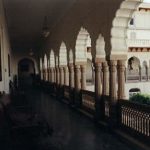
26 72
133 70
83 56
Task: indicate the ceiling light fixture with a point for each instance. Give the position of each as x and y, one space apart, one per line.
31 53
45 29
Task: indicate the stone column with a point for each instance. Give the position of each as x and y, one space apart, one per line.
61 76
112 83
113 93
41 72
140 73
77 77
46 74
83 77
98 90
71 76
105 90
66 81
54 70
57 75
121 79
50 74
77 99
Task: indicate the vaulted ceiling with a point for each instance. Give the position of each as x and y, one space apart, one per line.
25 19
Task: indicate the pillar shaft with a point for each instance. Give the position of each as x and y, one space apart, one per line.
77 78
50 74
121 79
98 91
98 87
112 85
66 81
71 76
61 75
83 77
57 75
55 72
105 90
41 72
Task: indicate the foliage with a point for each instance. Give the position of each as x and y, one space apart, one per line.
141 98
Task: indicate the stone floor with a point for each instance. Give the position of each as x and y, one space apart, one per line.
71 130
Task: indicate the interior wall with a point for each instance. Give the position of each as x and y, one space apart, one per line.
5 50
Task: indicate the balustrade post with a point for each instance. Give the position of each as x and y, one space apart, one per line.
121 79
83 77
98 90
77 100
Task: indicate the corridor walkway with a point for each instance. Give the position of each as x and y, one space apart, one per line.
72 131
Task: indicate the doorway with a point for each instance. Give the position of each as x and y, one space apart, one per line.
26 72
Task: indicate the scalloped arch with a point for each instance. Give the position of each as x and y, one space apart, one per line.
120 25
83 40
63 54
52 59
100 47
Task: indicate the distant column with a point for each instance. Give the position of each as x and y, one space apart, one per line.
77 77
140 73
61 76
66 80
71 76
57 75
83 77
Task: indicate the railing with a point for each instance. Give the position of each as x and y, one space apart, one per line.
136 76
135 118
88 100
130 117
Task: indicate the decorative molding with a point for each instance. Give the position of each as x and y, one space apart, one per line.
139 49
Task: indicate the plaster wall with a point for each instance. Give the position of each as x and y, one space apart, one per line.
5 51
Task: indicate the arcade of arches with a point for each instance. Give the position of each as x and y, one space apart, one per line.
96 46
